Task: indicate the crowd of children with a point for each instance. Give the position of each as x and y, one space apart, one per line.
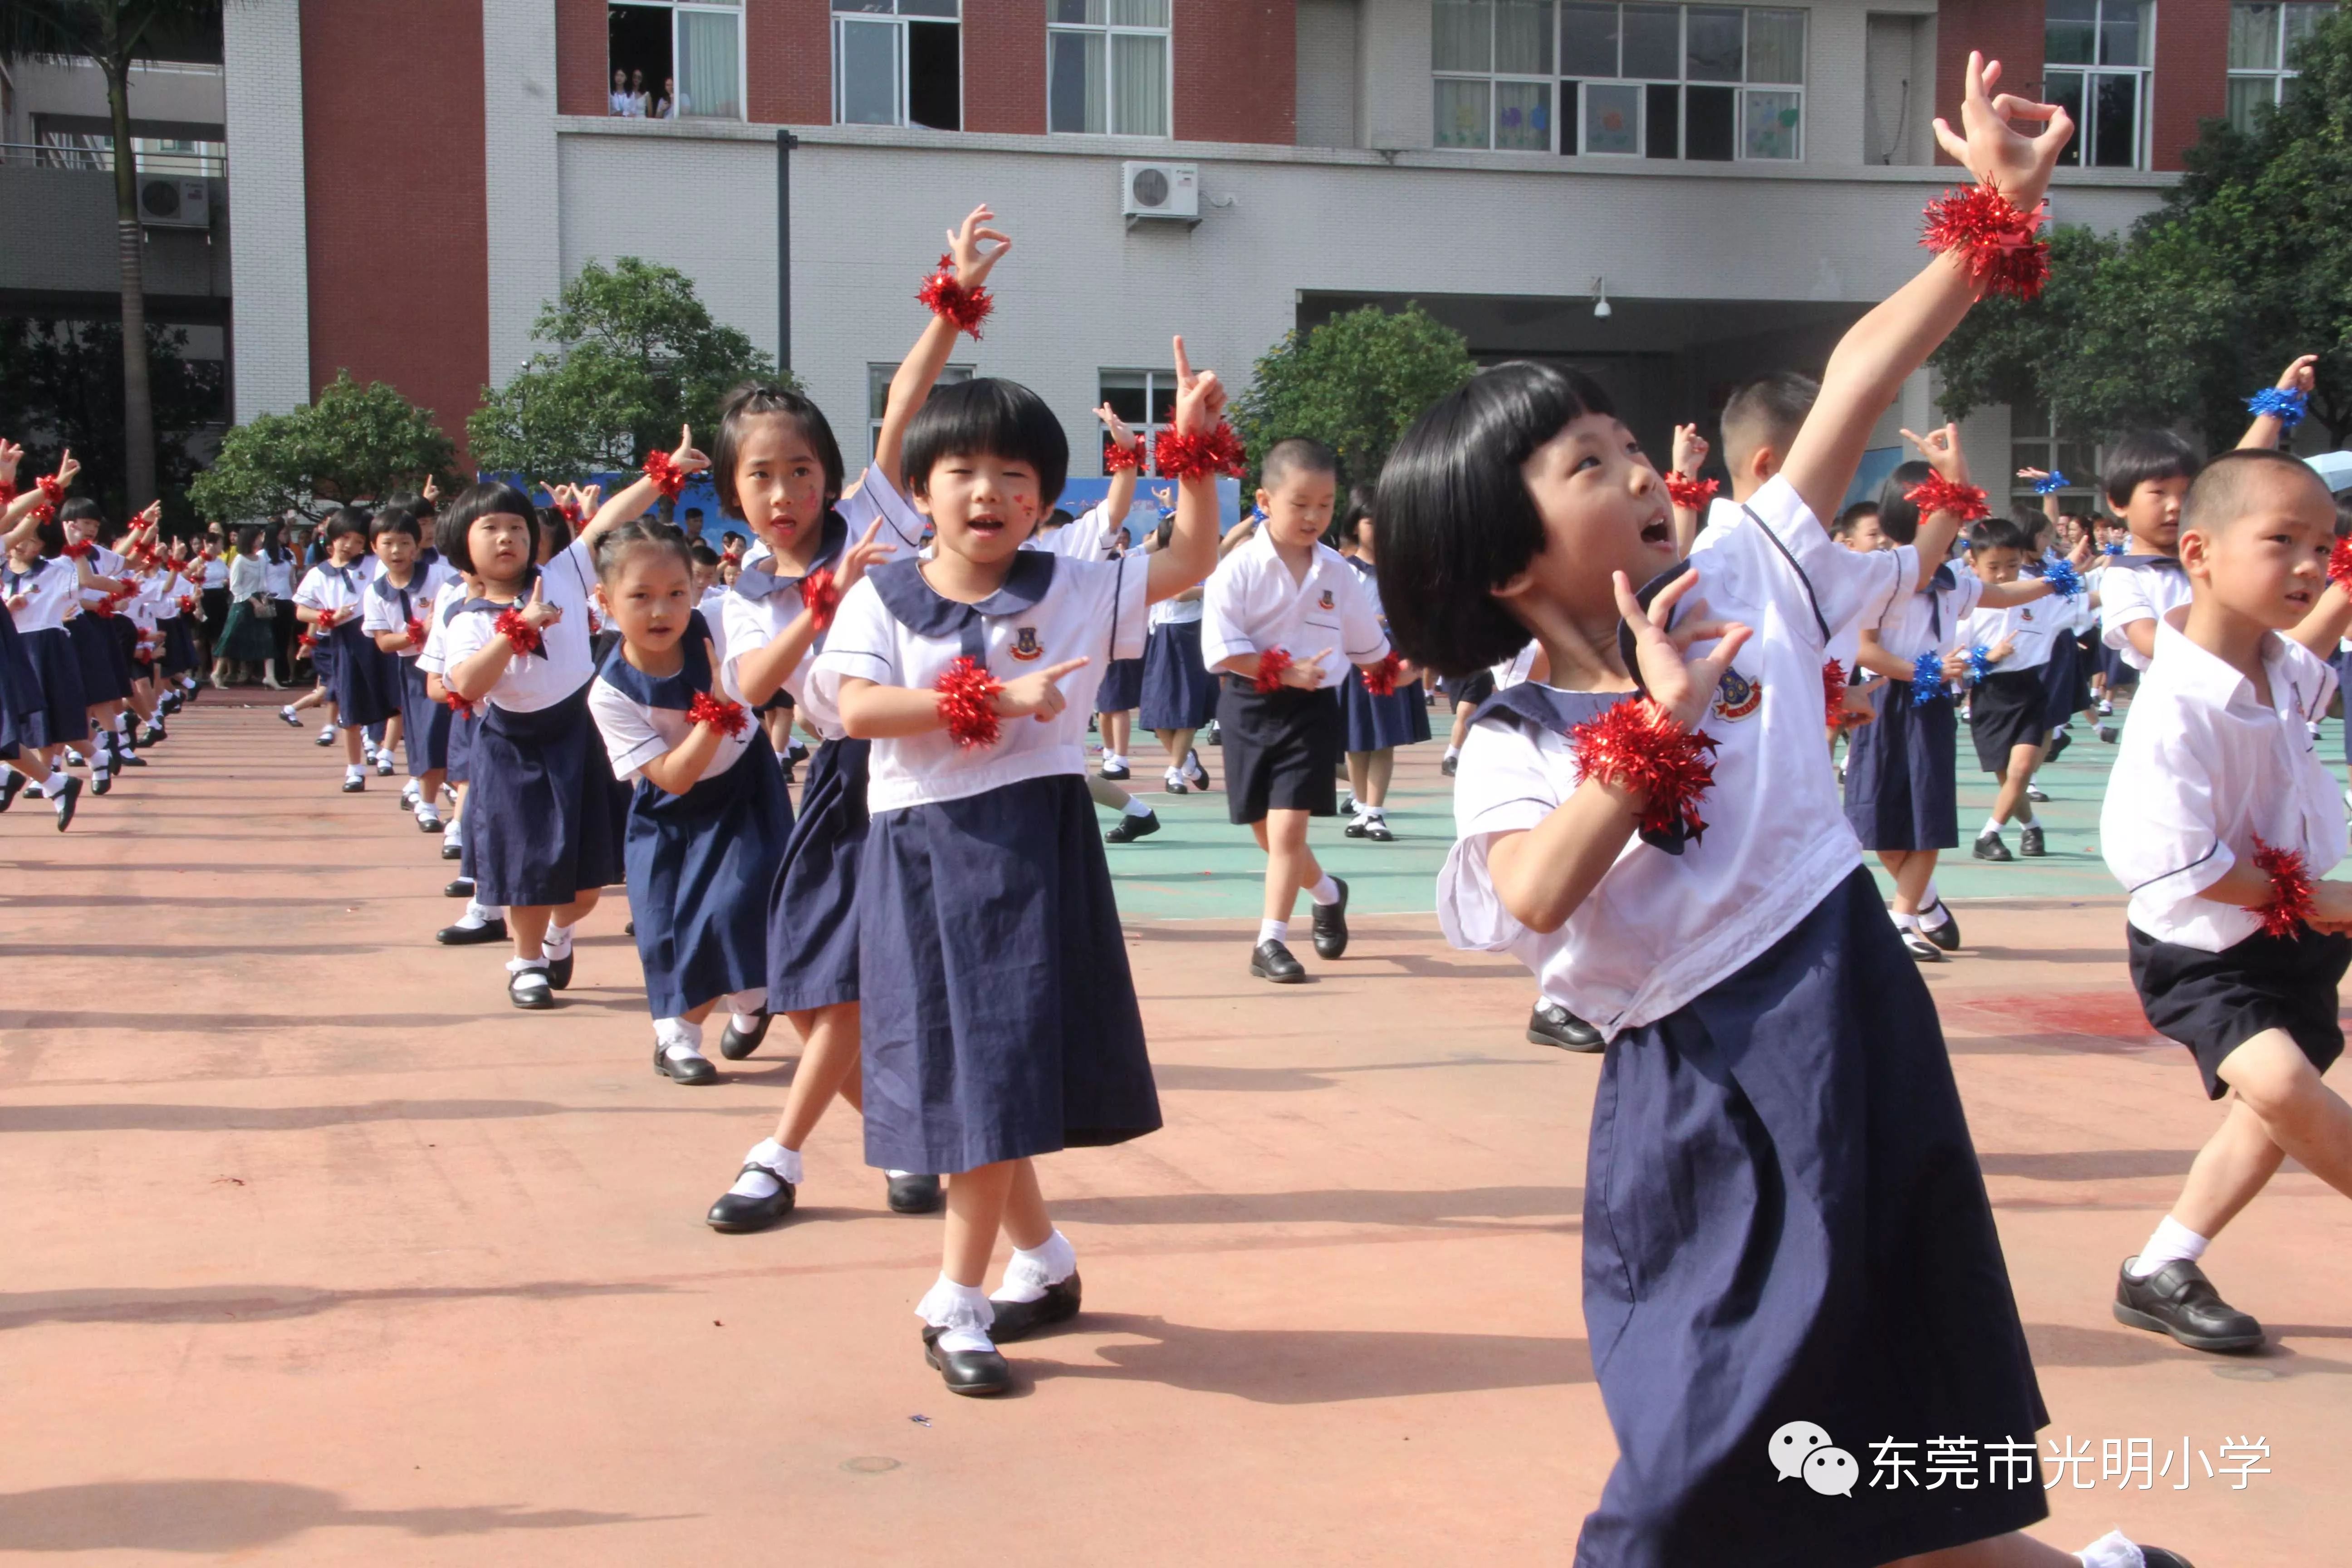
1650 687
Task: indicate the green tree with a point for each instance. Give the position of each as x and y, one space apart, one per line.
61 385
1354 383
2246 266
355 443
110 35
632 355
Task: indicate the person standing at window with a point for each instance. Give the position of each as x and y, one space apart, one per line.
640 101
621 102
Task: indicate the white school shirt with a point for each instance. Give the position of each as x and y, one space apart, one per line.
1251 603
875 497
145 607
1660 928
2138 588
1050 610
103 563
342 589
382 606
50 585
1086 537
759 605
2204 770
2032 629
433 659
1911 621
635 734
1516 670
713 606
278 577
564 664
1174 612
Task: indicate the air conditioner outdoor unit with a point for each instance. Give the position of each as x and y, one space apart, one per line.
1159 192
174 200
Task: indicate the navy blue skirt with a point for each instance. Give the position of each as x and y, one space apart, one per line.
462 728
59 715
1900 792
24 715
1000 1020
1122 688
179 646
545 819
2062 678
813 907
424 723
1376 723
699 868
93 647
122 645
1179 692
1784 1220
351 663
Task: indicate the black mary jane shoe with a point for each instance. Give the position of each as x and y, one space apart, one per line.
1331 925
1129 828
354 786
458 888
1272 960
526 996
64 802
453 851
1018 1319
738 1215
11 782
1377 830
559 973
974 1373
735 1045
692 1071
2179 1301
914 1192
1947 936
101 782
1553 1025
129 759
472 936
629 928
2157 1557
326 740
1356 827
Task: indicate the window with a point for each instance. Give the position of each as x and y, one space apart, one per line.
2035 443
1107 67
675 60
2262 42
1713 82
877 395
2095 58
898 62
1146 399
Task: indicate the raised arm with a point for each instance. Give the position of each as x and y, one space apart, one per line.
632 499
912 386
2272 421
1192 553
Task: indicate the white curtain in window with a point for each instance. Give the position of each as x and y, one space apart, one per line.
1776 46
1138 63
1523 38
1139 12
1463 36
708 48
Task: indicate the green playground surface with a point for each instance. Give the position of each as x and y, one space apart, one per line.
1201 867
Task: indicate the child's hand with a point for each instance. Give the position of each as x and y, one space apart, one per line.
972 265
1994 149
1306 674
152 519
1121 436
1200 399
861 555
1684 688
1690 450
11 455
2301 376
1956 666
1941 449
1039 694
19 602
2001 649
431 490
67 467
538 612
686 459
2331 907
2033 474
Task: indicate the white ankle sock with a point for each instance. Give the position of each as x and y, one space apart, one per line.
1904 921
55 784
1991 827
1452 754
1137 808
1031 1270
1326 891
2171 1242
1273 931
355 772
559 942
778 1167
2113 1550
963 1310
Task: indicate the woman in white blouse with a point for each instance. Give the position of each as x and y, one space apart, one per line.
245 636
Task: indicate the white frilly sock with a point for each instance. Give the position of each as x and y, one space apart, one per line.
2113 1550
1033 1269
964 1311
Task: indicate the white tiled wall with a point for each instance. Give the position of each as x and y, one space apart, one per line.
271 372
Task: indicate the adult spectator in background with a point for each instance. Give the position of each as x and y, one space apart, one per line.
277 565
672 103
248 636
642 99
212 584
624 104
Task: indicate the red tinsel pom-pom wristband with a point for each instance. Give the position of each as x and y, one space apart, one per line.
415 631
7 491
968 703
820 597
2339 564
1637 746
457 705
666 476
1935 493
1183 456
518 631
1691 495
1270 666
1997 241
2291 904
944 297
1380 680
1834 691
305 643
705 708
1117 459
73 552
52 490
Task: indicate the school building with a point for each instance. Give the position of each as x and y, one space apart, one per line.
1672 196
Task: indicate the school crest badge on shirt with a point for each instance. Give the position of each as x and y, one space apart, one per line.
1326 601
1024 644
1735 696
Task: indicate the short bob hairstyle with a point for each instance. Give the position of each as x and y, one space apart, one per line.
395 520
1001 418
1898 517
453 536
1999 533
2145 455
346 520
82 508
1456 522
749 401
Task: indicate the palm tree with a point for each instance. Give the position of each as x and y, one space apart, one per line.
111 34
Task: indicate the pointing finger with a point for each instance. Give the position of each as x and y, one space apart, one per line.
1056 672
1183 363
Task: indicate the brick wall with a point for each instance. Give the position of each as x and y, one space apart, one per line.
788 61
582 75
398 224
2191 76
1236 71
2009 31
1004 66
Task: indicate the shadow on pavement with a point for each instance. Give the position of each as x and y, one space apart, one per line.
215 1516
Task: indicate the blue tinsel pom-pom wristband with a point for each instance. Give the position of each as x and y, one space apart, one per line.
2286 405
2063 579
2050 483
1980 662
1926 678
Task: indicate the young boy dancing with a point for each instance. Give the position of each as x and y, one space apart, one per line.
2219 816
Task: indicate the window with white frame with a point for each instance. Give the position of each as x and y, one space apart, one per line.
1107 67
898 62
1145 399
877 395
2095 60
672 59
1700 82
2262 37
2035 442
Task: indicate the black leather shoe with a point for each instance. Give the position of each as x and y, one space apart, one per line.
2029 841
1947 936
1272 960
1920 946
101 781
1553 1025
354 786
913 1192
472 936
1449 765
1355 828
2178 1299
127 759
974 1373
1331 925
326 739
735 1046
2157 1557
1989 847
458 887
736 1214
1129 828
453 851
1377 830
527 989
1018 1319
1115 776
2058 745
11 782
65 798
691 1071
559 973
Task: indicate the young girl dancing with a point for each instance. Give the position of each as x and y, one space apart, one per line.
1784 1220
1377 723
42 710
329 602
398 616
999 1019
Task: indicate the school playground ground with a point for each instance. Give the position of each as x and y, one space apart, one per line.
319 1253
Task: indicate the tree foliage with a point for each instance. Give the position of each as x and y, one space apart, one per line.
633 354
355 443
61 386
2247 265
1354 383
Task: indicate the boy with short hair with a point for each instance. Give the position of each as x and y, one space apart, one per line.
2008 706
1282 618
2217 816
